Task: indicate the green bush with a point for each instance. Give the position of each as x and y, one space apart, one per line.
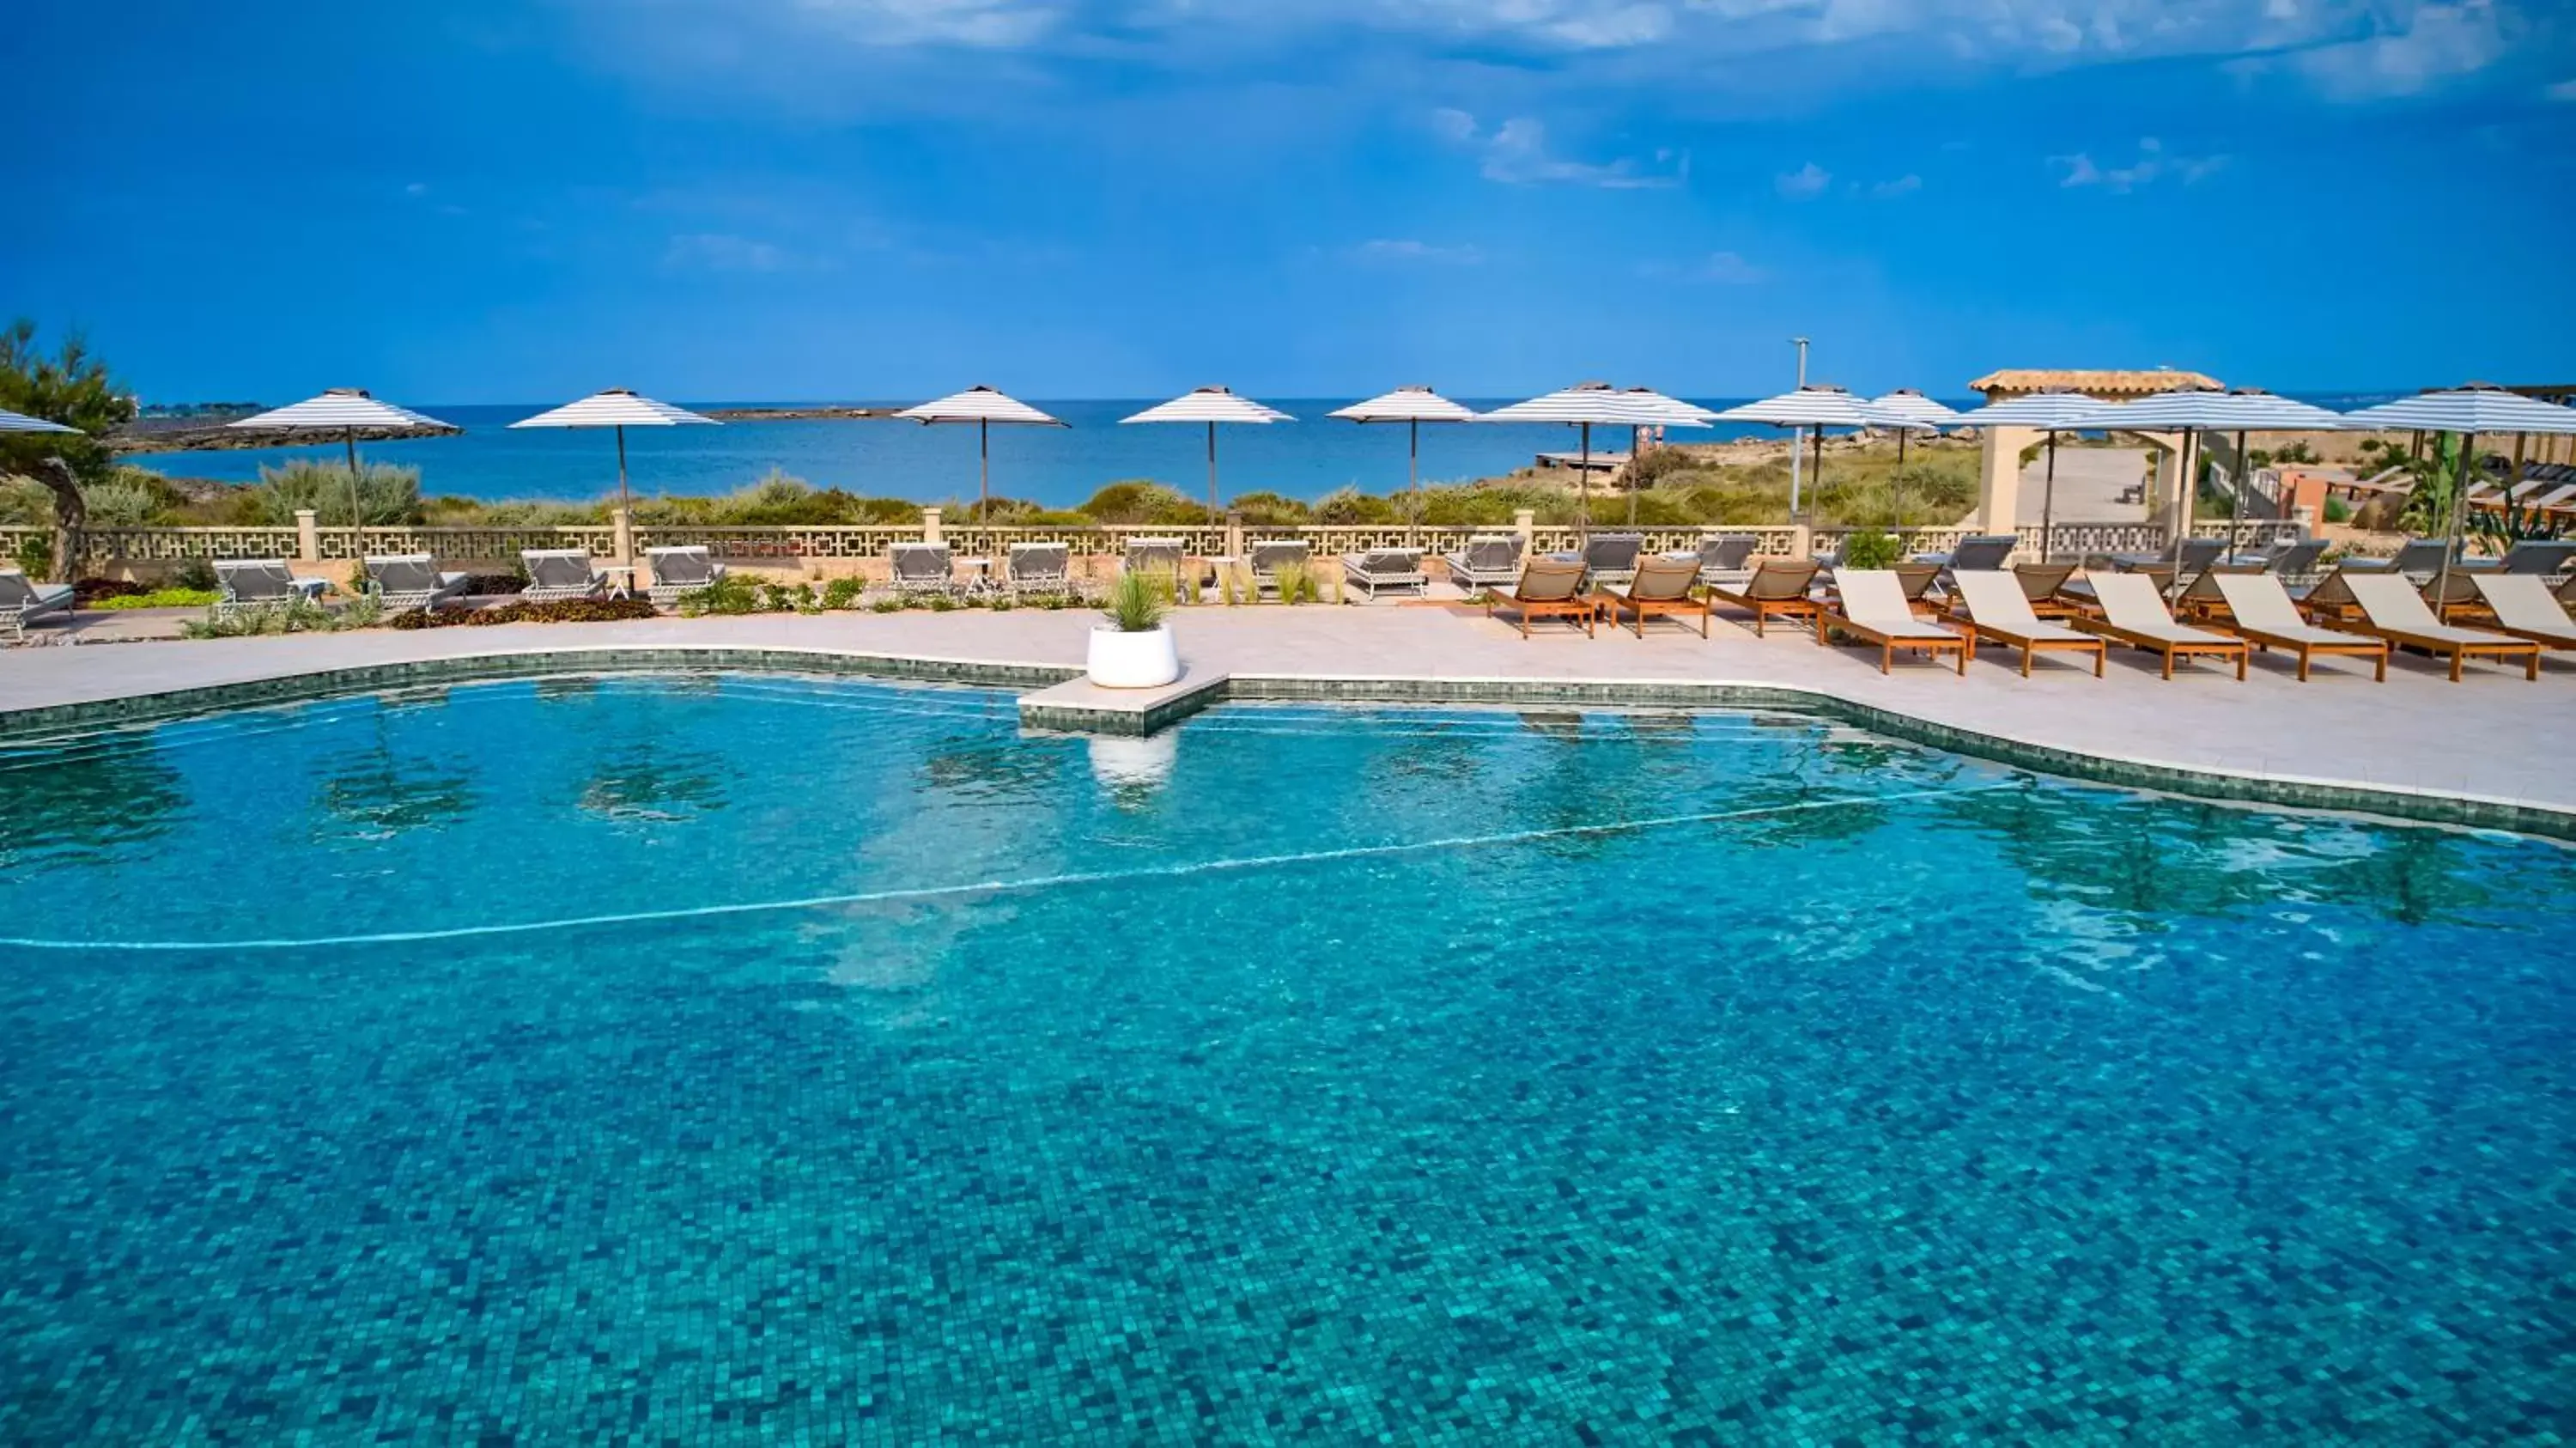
388 496
843 592
1142 501
1869 550
298 616
562 610
731 594
2338 511
1138 600
160 598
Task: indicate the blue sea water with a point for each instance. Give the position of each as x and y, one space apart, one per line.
1057 467
745 1058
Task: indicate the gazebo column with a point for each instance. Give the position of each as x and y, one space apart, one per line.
1999 491
2172 487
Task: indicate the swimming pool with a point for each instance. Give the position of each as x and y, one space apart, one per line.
717 1056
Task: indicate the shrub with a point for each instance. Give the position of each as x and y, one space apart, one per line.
1138 600
1141 500
157 598
1869 550
2338 511
893 603
562 610
1272 510
198 574
731 594
128 498
299 616
1296 582
35 556
1350 505
91 592
843 592
387 495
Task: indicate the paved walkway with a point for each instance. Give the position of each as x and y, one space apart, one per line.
2494 737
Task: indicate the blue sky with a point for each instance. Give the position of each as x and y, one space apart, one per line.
712 199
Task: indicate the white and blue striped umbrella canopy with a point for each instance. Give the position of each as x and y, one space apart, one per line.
980 404
2205 411
1907 402
1602 405
2046 410
1210 404
1684 414
616 407
1820 405
1407 404
21 422
2466 409
340 410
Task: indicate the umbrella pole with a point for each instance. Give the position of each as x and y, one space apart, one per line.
1819 468
2189 488
2459 507
984 481
1583 486
1896 482
357 519
2244 497
625 500
1212 517
1413 485
1634 434
2048 500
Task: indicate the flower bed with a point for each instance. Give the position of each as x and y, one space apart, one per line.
565 610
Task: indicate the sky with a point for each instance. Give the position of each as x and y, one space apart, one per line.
713 200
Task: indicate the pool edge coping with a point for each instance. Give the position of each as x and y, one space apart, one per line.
2418 805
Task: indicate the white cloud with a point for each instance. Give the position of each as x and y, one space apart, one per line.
1406 249
1804 184
2154 163
723 252
980 24
2442 43
1905 185
2565 90
417 188
1516 154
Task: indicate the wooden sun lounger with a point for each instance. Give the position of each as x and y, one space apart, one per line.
2524 609
2259 609
2392 609
2134 613
1778 586
1549 588
1870 604
1662 588
1996 605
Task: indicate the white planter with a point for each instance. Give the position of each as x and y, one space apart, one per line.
1147 660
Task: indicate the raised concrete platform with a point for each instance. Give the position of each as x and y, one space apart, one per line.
1081 706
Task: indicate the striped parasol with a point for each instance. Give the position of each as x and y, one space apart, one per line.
2477 408
1412 406
1210 405
982 406
346 411
619 408
2193 412
1590 404
1817 406
1908 402
21 422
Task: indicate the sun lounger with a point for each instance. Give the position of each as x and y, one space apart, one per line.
1976 553
2392 609
1997 606
404 581
22 600
2134 613
2524 609
922 569
2293 560
2543 557
1042 568
1869 603
555 573
1662 587
1778 587
2041 583
1269 555
2259 608
1165 556
677 570
1612 557
2419 559
1489 560
1548 588
1916 579
1399 569
1727 559
262 583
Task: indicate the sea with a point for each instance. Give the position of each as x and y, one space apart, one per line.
883 457
1306 458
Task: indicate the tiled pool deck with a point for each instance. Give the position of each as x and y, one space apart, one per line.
2417 745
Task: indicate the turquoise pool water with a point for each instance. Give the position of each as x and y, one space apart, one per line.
742 1057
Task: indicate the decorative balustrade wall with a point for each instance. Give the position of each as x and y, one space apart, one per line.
787 545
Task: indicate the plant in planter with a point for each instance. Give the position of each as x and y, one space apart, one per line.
1131 648
1870 550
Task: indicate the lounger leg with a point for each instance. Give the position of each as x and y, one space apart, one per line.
1966 647
2305 654
2458 657
2168 663
2026 651
2101 658
2383 666
1886 658
2243 657
2532 673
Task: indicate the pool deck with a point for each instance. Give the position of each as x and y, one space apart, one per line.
2494 739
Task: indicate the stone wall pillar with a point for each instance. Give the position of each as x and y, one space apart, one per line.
930 526
1525 523
308 537
2172 491
621 525
1234 535
1999 484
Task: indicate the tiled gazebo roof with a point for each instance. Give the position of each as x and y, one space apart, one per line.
2109 383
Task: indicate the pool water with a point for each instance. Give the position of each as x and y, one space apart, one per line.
731 1057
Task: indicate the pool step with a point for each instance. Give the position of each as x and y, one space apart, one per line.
1083 707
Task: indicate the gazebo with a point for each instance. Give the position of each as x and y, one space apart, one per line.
1999 493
